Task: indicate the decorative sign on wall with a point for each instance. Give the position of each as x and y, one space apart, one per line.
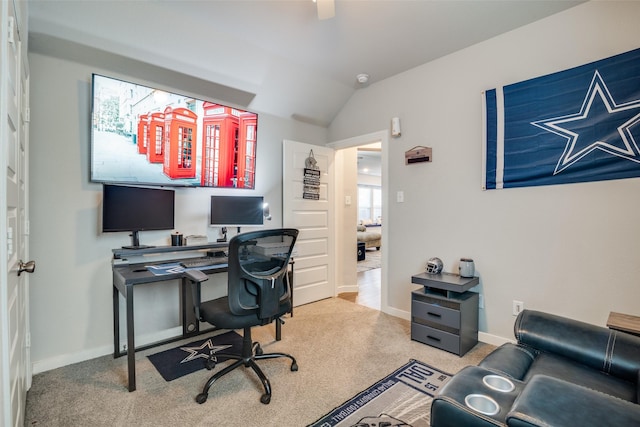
418 154
577 125
311 182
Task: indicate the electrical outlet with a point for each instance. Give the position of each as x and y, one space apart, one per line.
518 306
480 301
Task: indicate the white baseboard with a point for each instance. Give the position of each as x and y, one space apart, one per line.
397 313
69 359
346 288
493 339
81 356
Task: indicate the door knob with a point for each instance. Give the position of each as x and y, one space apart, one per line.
29 267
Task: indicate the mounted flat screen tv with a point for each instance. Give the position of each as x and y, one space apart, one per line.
144 135
135 209
237 211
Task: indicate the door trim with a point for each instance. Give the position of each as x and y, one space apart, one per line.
383 137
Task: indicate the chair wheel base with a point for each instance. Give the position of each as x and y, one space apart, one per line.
201 398
266 398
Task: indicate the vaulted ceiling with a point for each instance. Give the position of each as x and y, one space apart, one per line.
276 56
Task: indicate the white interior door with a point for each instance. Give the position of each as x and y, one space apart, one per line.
14 97
314 268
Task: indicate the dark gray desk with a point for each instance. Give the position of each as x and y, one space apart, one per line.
127 275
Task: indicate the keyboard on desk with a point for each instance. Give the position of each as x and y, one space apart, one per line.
204 262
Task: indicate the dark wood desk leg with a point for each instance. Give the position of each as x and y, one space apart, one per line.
131 345
116 323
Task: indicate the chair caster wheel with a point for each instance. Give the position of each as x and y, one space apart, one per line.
259 351
210 364
201 398
266 398
294 367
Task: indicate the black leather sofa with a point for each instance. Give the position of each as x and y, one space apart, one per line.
561 372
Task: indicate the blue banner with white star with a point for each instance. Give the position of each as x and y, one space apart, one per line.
577 125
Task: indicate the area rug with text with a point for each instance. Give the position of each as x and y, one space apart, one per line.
187 358
402 398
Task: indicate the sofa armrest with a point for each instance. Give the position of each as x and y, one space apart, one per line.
613 352
547 401
509 359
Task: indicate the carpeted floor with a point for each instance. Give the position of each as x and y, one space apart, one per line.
341 348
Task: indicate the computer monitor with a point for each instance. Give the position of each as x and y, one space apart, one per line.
135 209
237 211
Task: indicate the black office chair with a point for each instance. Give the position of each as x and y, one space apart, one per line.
258 293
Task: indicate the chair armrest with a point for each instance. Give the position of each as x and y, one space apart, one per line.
615 353
195 275
510 359
547 401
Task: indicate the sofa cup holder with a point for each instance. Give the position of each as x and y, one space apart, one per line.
498 383
482 403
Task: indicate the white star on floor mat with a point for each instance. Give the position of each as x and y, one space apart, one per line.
196 352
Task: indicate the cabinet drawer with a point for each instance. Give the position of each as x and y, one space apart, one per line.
435 314
435 338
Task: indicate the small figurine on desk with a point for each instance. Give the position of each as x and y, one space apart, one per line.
434 266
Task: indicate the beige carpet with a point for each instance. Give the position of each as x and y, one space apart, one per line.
341 348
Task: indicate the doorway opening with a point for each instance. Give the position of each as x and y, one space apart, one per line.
369 264
369 216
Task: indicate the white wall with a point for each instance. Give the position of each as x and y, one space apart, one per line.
568 249
71 306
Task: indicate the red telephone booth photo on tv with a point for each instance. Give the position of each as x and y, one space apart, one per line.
142 135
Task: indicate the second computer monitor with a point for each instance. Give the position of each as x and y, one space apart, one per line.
237 211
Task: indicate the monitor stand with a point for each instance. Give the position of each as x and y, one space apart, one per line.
224 235
135 242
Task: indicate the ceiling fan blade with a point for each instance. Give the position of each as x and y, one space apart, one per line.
326 9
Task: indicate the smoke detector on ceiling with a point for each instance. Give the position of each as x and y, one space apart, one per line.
362 78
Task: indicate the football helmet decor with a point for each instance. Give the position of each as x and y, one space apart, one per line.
434 265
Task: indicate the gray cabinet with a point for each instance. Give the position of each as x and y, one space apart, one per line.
444 313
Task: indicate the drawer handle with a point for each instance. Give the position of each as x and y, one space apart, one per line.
434 314
433 338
